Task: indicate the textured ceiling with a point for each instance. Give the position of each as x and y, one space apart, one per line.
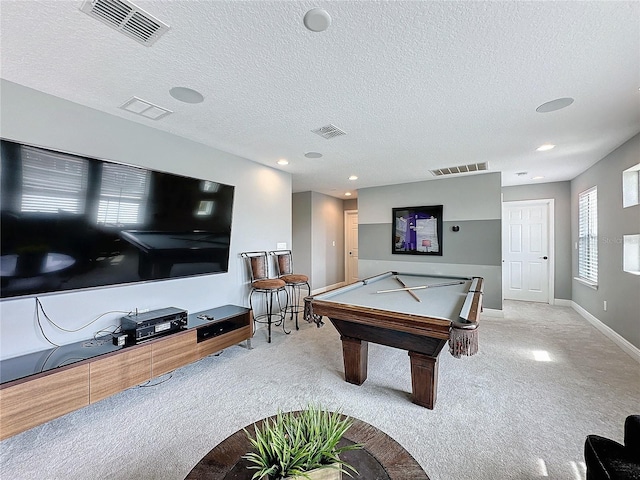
415 85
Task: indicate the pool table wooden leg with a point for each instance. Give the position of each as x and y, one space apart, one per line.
355 353
424 379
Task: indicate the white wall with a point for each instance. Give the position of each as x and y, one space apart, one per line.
261 195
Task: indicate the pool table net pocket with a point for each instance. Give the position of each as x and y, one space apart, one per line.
463 341
309 316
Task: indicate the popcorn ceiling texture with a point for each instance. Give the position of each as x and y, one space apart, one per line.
421 85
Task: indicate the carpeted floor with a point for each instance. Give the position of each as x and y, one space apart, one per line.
501 414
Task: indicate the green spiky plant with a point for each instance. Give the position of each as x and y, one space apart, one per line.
295 443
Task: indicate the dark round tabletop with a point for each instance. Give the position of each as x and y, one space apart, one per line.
381 458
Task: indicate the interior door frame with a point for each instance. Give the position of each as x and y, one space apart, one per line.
550 205
346 243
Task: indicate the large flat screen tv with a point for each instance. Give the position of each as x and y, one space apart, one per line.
71 222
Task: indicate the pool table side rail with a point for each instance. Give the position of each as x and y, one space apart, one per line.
416 324
472 307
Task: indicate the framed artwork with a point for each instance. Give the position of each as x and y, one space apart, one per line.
417 230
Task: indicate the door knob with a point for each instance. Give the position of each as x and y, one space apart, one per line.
544 258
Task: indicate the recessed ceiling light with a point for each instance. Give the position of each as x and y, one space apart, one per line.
545 147
347 194
283 161
554 105
313 155
353 177
187 95
317 20
539 177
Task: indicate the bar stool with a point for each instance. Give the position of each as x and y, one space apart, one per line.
270 288
295 282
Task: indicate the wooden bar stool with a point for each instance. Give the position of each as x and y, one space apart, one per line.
270 289
295 282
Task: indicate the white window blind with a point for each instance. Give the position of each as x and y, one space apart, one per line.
53 182
588 235
123 195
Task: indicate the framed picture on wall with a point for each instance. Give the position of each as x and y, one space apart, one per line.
417 230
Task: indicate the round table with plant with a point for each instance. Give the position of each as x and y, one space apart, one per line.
313 444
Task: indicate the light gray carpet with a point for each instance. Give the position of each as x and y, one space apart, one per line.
499 414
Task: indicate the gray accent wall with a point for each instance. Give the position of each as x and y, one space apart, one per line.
318 248
472 202
301 223
261 214
560 192
620 289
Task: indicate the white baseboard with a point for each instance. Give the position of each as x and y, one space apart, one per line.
562 302
624 344
328 287
492 312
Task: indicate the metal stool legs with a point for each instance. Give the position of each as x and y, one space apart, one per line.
296 306
269 313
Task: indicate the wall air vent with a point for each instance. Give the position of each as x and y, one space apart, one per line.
127 18
329 131
472 167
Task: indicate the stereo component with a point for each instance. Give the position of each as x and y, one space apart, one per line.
146 326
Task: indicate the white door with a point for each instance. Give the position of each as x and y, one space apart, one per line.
526 254
351 245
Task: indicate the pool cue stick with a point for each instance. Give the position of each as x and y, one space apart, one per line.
409 291
420 287
446 284
402 289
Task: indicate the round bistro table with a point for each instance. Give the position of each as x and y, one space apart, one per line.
381 458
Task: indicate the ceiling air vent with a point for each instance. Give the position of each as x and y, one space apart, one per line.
127 18
472 167
329 131
146 109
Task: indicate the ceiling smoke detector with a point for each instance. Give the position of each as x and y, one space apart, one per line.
472 167
329 131
127 18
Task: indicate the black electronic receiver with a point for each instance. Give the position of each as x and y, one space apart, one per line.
149 325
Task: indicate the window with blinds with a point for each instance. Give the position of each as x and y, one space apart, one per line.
123 195
53 182
588 235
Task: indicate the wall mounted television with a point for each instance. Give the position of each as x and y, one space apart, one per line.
72 222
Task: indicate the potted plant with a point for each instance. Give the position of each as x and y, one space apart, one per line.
300 445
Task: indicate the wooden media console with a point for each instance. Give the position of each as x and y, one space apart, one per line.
41 386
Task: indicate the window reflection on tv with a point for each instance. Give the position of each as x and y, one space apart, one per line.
72 222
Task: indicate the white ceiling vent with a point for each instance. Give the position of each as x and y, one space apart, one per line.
146 109
472 167
329 131
127 18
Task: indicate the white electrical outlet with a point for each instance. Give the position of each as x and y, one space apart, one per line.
604 305
281 245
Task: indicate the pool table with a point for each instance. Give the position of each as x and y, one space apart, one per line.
159 251
417 313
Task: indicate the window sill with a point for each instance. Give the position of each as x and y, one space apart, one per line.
586 282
